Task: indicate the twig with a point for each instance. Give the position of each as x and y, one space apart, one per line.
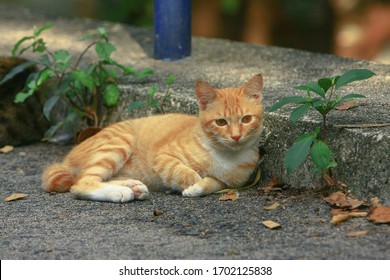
362 125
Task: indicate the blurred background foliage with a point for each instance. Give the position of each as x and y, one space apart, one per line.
351 28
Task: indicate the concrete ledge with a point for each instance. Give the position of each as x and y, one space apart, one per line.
363 154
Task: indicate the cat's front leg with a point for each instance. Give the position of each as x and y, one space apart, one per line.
207 185
174 173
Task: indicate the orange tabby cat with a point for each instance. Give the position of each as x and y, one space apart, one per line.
193 155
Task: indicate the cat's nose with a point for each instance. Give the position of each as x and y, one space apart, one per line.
236 137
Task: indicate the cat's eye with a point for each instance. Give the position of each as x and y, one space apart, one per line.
246 119
221 122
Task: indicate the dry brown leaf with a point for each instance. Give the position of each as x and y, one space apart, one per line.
336 219
158 212
271 207
347 105
15 196
341 215
358 214
380 214
273 185
339 199
6 149
271 224
229 196
356 233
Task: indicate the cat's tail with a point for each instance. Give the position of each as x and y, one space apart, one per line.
57 178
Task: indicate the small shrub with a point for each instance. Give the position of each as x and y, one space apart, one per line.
323 97
86 93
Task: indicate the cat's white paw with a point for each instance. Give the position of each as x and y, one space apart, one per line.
193 191
141 191
113 193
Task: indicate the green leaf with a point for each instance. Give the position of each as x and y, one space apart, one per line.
137 104
84 78
317 102
87 37
170 79
111 94
104 50
321 155
32 85
49 105
39 46
38 31
303 136
52 130
299 112
325 83
147 72
18 43
44 75
352 95
352 76
297 154
62 56
287 100
22 96
314 87
45 60
102 31
153 91
16 70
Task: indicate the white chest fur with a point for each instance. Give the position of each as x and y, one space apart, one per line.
230 167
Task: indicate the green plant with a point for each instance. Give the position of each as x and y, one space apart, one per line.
86 92
152 101
325 100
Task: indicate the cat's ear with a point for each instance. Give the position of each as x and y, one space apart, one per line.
205 94
253 89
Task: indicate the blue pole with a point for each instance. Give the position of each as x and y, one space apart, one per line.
172 29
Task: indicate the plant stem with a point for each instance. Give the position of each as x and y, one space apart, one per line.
166 96
324 128
82 54
332 91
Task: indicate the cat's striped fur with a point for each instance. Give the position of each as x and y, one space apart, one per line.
195 155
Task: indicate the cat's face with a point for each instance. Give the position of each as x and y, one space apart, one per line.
231 118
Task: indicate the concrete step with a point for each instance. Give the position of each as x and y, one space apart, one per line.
363 154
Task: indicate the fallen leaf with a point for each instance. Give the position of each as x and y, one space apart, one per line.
358 214
271 207
229 196
158 212
380 214
336 219
356 233
6 149
350 212
273 185
15 196
271 224
339 199
340 215
347 105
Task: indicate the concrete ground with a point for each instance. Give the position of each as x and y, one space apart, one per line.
46 226
57 226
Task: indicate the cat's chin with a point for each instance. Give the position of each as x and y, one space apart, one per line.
234 146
